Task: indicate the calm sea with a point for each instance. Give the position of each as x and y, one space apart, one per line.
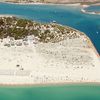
65 92
66 15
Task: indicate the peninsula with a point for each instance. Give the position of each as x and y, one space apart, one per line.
36 53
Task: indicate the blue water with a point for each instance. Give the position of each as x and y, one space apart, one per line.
93 8
72 16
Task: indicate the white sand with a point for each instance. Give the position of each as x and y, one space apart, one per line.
88 12
40 3
71 60
6 15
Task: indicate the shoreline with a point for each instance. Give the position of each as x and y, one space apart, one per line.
50 84
51 3
89 12
66 4
18 83
37 3
4 15
91 44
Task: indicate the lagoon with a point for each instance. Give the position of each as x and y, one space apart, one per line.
62 14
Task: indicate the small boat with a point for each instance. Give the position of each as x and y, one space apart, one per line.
54 21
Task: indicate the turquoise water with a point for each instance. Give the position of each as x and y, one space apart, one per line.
66 15
93 8
66 92
72 16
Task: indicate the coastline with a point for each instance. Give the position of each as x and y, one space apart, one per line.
93 47
37 3
55 82
67 4
7 15
89 12
50 84
51 3
90 43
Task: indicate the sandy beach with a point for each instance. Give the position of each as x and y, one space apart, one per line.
39 3
71 60
6 15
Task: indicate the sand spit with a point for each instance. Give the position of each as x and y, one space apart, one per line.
69 57
70 60
89 12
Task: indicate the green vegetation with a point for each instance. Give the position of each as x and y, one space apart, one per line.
20 28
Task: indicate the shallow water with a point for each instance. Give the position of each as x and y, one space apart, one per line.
66 92
93 9
66 15
72 16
